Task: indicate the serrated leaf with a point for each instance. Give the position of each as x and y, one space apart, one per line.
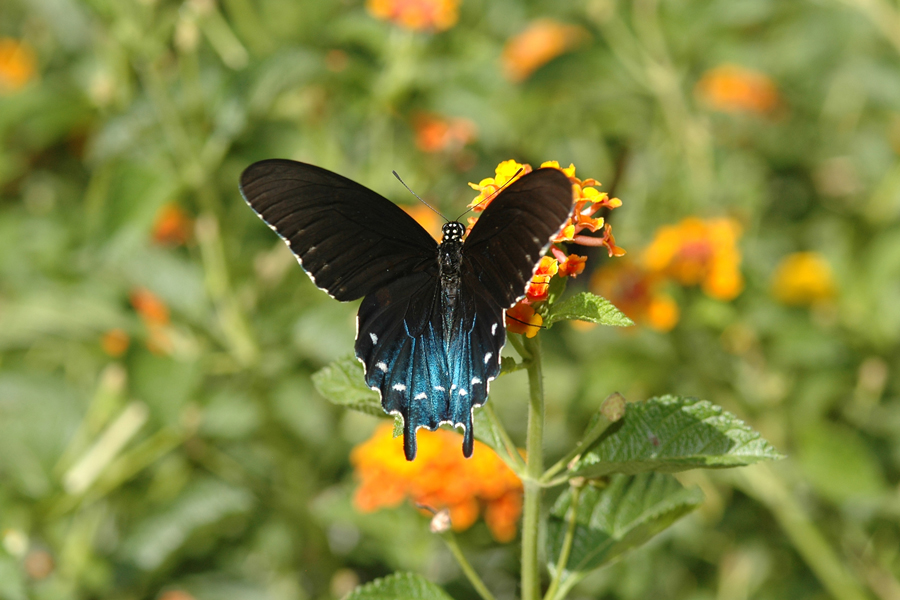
615 519
588 307
671 434
485 431
343 383
399 586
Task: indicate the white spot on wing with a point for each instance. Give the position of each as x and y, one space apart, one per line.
462 392
374 338
494 329
440 388
399 387
421 396
475 381
381 366
487 357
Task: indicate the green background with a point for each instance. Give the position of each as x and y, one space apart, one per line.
231 478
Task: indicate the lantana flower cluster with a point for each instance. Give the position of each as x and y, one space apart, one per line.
584 220
692 252
418 15
439 478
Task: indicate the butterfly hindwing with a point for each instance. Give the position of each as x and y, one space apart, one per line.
349 239
400 341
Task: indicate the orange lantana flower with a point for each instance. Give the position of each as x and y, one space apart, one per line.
521 318
155 315
439 478
172 226
539 287
435 133
636 292
115 342
416 14
730 88
697 251
18 65
587 202
538 44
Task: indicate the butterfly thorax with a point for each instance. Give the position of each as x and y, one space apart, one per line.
449 261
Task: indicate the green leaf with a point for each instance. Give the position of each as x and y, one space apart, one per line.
399 586
671 434
343 383
614 520
588 307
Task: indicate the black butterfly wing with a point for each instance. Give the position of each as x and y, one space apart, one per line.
514 231
400 340
349 239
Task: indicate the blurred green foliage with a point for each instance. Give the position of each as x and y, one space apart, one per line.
200 458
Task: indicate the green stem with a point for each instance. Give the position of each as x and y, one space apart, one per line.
763 484
466 566
566 549
534 467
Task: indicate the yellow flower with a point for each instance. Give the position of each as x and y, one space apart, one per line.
18 65
730 88
697 251
416 14
542 41
803 278
439 478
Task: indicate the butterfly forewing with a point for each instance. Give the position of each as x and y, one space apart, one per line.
349 239
515 230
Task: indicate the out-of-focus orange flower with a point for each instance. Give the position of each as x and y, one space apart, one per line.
148 305
39 564
542 41
18 65
521 318
636 293
115 342
697 251
731 88
427 218
435 133
803 279
416 14
176 595
172 226
155 315
439 478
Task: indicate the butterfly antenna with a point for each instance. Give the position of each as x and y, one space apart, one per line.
420 199
499 189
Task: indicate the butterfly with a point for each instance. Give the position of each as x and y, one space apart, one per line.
431 323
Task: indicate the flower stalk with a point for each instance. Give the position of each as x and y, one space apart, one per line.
534 467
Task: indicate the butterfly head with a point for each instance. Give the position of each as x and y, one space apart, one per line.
453 231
